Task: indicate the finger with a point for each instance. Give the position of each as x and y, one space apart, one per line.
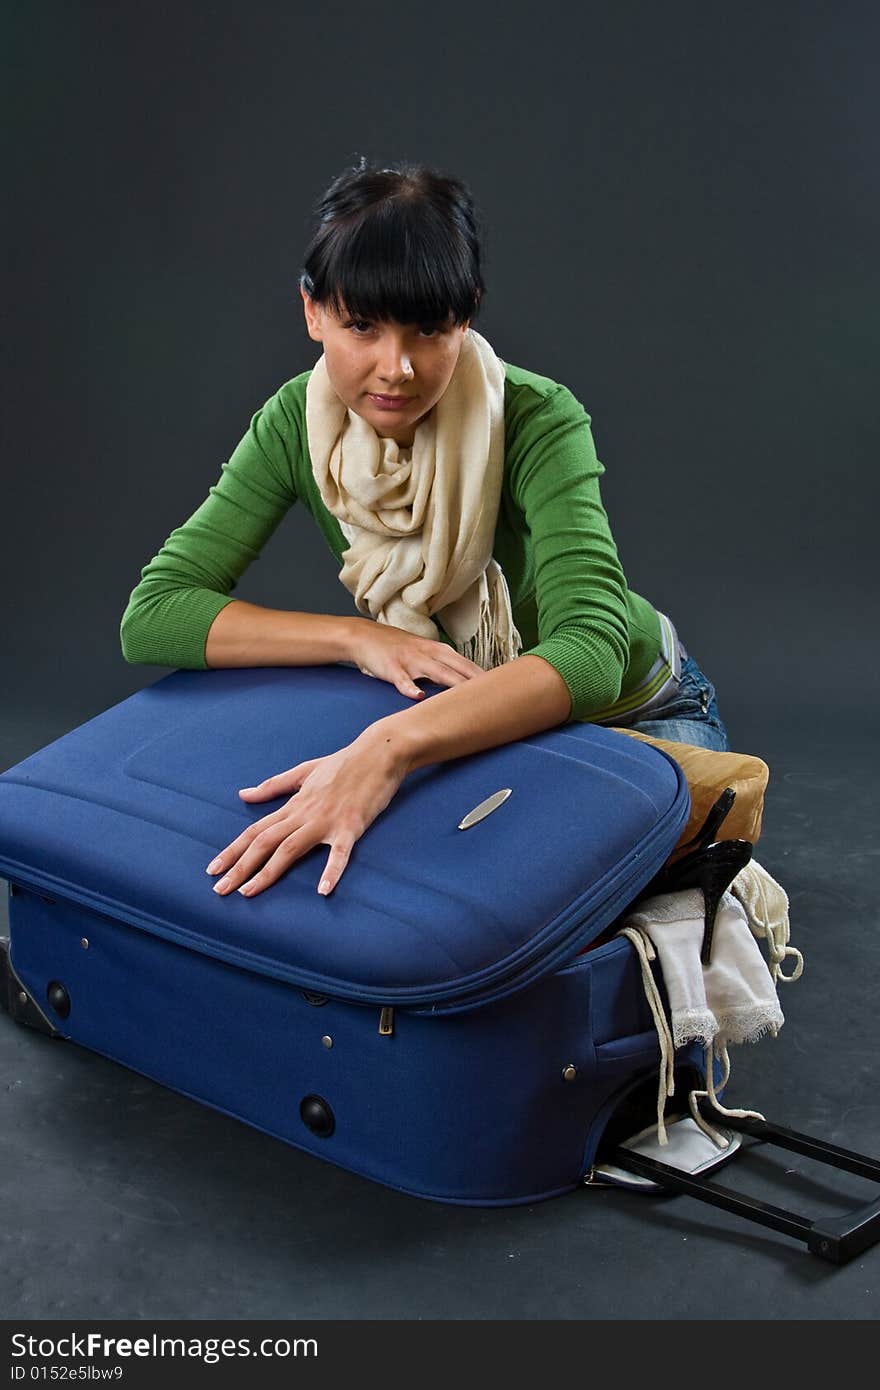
293 847
448 656
407 686
441 674
467 668
280 784
264 864
337 861
233 852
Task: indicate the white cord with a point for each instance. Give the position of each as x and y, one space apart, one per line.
696 1096
766 905
644 949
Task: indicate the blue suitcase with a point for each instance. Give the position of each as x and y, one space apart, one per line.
436 1023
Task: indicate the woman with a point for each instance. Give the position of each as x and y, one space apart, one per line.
460 496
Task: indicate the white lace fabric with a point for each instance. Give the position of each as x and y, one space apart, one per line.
733 998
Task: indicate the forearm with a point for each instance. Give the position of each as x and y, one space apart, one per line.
245 634
523 697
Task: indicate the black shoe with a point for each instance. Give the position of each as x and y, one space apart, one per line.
713 868
712 824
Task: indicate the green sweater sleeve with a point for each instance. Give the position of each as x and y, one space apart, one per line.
186 584
581 591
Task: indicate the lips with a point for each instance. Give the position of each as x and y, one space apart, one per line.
390 402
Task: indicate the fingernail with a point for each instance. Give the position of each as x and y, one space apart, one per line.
224 883
324 886
246 889
214 867
244 790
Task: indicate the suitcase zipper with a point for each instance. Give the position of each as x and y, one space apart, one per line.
386 1021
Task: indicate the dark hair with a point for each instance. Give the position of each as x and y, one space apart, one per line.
398 243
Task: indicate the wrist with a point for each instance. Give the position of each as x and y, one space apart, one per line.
391 740
351 634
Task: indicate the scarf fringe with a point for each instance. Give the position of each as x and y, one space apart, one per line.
496 640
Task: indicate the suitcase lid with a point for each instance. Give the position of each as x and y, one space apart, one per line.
124 813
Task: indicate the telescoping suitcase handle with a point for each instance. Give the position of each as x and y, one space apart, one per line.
835 1238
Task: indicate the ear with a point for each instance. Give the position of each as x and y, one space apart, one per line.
314 316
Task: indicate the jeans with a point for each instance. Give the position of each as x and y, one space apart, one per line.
691 715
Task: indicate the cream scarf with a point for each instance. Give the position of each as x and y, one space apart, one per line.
420 522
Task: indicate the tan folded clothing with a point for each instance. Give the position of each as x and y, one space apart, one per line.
707 773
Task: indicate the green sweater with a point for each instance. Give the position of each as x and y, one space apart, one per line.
569 595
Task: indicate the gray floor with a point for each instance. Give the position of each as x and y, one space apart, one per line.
124 1200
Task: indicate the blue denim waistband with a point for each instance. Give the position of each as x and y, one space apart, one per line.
659 685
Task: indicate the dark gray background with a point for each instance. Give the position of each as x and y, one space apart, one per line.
682 209
681 205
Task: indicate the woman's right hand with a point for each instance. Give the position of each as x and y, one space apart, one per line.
399 657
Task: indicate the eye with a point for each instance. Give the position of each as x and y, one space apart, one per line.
429 330
360 327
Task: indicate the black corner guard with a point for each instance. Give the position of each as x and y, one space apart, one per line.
16 1000
834 1238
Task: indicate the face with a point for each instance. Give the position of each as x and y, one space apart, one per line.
391 374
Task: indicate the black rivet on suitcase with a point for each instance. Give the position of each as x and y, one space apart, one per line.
317 1116
58 998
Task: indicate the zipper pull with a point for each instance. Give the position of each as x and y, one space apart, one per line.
386 1021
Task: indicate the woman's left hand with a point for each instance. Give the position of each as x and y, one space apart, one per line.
336 799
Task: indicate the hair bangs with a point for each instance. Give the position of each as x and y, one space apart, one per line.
403 256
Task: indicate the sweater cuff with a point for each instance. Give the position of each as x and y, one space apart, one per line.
588 664
184 618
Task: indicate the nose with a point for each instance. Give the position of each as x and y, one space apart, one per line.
395 366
